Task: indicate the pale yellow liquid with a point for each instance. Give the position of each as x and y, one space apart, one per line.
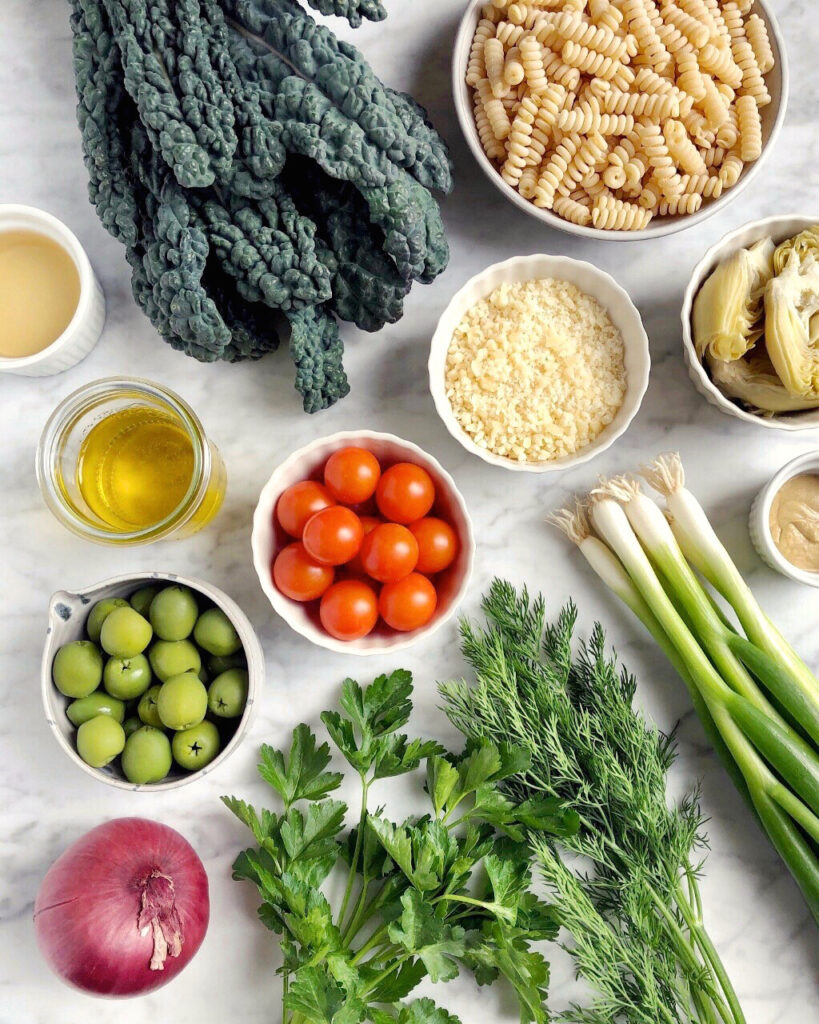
39 292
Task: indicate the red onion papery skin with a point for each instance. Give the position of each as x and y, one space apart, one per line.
128 892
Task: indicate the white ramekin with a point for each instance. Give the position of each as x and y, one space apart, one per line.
308 463
85 327
773 116
587 278
759 521
67 613
778 228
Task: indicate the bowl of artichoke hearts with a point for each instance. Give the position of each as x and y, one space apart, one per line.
750 321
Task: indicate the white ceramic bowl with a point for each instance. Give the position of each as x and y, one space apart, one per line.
269 538
760 519
614 299
86 325
773 116
778 228
67 613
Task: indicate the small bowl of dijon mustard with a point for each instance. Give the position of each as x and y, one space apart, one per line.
784 520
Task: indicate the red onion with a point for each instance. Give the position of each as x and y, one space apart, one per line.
124 909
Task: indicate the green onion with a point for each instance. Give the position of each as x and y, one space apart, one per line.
758 701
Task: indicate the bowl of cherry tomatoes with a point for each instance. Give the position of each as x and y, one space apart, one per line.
362 542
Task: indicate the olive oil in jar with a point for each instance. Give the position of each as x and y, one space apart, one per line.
135 468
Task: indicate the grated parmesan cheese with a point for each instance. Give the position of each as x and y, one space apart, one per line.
535 371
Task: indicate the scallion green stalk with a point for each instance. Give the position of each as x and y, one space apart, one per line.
765 789
706 552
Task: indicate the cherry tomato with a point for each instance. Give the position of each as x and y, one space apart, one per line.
405 493
351 475
333 536
299 502
389 552
408 603
354 566
297 576
349 609
437 544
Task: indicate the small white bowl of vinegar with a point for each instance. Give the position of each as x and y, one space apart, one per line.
52 308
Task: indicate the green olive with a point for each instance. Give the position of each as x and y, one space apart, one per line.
99 740
131 724
195 747
147 709
127 678
227 694
182 701
77 668
214 633
125 633
173 613
141 599
218 664
147 756
97 703
99 613
173 657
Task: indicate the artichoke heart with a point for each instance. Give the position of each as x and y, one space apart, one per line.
805 244
729 304
753 381
791 302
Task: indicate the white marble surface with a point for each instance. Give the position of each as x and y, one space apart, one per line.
754 912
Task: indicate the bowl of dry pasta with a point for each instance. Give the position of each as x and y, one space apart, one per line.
620 119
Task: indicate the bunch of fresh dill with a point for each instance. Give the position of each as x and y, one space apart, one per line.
635 920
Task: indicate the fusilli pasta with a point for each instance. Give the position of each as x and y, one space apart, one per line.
757 35
750 129
476 69
571 210
612 214
531 56
656 151
611 112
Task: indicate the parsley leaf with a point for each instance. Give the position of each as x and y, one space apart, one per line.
422 898
302 775
432 940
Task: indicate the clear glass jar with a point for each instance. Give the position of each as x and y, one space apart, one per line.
111 425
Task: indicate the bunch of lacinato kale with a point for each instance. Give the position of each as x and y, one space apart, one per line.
251 162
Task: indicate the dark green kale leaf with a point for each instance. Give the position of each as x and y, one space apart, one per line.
352 10
293 41
170 259
259 156
252 326
188 117
316 349
267 247
100 93
367 289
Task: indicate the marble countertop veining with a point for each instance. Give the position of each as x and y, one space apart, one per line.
753 910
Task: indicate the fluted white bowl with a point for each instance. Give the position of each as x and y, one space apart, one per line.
595 282
773 115
779 228
85 327
269 538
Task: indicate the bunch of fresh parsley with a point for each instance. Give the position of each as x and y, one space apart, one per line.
423 898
